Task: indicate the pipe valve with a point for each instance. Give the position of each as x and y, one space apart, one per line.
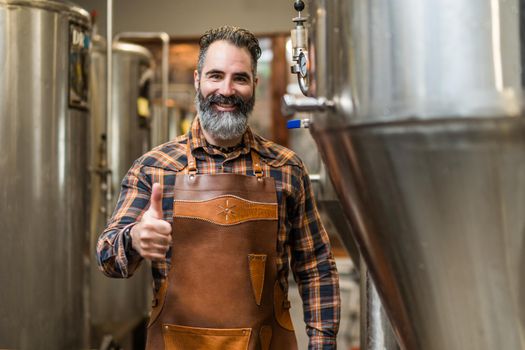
299 37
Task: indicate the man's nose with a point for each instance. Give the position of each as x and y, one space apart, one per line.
226 88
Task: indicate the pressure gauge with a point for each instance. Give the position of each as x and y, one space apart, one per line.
303 64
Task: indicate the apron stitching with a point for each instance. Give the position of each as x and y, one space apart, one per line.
217 223
223 196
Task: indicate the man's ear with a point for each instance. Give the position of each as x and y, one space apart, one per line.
196 80
255 81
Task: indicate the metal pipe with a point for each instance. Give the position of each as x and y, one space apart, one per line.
291 104
376 331
109 99
165 38
315 178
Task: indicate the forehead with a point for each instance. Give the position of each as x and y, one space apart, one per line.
226 57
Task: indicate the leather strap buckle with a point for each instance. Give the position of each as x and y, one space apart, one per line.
192 166
256 165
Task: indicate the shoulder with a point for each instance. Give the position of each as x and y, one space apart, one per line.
167 156
276 155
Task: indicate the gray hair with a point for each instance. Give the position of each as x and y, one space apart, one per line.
239 37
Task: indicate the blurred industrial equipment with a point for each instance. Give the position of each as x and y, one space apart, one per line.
160 121
418 114
58 179
117 307
43 121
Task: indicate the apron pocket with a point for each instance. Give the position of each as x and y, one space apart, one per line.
257 263
194 338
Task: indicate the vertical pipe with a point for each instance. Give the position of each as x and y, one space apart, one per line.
165 38
109 101
165 76
376 331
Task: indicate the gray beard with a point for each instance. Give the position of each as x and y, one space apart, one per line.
221 125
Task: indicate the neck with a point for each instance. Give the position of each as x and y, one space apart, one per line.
221 143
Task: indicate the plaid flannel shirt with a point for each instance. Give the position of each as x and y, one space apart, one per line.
302 238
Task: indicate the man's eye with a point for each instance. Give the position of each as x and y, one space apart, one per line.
214 76
241 79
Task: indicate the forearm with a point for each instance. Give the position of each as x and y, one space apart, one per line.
319 288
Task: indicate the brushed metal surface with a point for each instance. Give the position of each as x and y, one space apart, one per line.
43 164
115 303
438 214
159 122
425 146
376 330
380 60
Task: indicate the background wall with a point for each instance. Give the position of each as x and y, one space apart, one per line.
190 18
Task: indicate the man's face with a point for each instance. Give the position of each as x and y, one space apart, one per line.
225 90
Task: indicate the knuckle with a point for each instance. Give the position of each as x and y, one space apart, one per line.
166 229
147 225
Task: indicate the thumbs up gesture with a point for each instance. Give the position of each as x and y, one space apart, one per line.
151 236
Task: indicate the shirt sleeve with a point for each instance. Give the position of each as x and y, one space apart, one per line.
314 270
112 256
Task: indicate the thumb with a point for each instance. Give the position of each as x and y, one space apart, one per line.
155 205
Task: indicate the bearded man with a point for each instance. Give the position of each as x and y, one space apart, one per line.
220 212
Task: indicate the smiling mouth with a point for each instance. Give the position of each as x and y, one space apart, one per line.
225 107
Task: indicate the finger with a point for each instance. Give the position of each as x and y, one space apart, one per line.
155 206
158 226
154 256
157 239
158 251
159 248
154 247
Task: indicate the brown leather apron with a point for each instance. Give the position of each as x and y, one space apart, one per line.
222 290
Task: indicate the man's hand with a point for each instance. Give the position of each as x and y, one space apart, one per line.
151 237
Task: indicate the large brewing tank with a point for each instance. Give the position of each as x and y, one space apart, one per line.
44 171
117 306
419 118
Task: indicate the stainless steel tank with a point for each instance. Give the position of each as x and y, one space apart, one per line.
419 118
117 306
44 171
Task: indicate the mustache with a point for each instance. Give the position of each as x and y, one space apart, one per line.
229 100
243 106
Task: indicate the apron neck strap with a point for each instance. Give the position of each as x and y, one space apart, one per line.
192 164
